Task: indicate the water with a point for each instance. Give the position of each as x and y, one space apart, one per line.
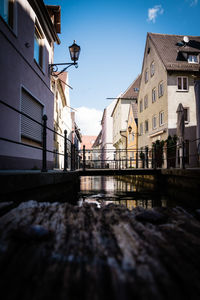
103 190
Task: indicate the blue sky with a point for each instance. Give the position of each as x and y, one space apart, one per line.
112 37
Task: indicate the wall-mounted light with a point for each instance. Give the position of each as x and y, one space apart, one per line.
74 51
129 129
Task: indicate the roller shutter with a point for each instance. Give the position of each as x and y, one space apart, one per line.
31 107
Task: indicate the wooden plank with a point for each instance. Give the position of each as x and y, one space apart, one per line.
60 251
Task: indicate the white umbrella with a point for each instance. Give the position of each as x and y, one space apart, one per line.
180 132
180 123
197 95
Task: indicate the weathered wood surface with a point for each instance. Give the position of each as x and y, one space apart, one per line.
58 251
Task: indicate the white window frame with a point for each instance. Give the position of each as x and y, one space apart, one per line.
154 95
188 114
160 89
161 118
154 122
152 69
193 61
182 78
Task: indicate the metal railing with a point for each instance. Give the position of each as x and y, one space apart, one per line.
174 156
70 152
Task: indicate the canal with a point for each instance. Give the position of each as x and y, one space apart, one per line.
131 193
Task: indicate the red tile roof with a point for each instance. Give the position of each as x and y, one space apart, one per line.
88 141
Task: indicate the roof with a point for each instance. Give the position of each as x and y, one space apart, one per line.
63 79
132 90
130 93
171 49
134 107
45 20
88 141
98 140
54 12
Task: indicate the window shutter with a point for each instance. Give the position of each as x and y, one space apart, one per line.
34 109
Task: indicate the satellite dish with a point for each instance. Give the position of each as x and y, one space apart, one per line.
186 39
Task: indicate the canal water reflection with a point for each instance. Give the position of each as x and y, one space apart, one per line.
103 190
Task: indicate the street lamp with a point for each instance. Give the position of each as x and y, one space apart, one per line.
129 129
74 51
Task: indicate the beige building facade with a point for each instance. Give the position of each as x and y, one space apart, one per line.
170 68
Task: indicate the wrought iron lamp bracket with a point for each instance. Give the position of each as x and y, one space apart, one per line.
53 68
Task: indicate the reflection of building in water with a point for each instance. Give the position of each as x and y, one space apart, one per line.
124 186
97 183
85 183
120 192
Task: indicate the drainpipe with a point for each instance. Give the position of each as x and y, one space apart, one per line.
126 145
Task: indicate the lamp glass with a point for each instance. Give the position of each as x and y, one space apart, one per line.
74 51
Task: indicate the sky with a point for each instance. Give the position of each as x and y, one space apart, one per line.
112 36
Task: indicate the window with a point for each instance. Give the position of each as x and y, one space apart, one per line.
141 106
31 107
154 122
152 68
136 89
161 89
38 46
186 114
145 102
141 128
193 59
153 95
146 76
133 135
146 125
7 12
161 118
182 83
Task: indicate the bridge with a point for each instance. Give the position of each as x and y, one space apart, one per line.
118 172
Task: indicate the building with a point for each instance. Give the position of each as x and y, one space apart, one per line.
132 135
96 152
107 135
170 68
88 141
76 139
120 120
27 36
62 117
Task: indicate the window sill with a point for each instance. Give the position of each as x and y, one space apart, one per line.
182 91
40 68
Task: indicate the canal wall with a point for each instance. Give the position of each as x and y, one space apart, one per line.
34 185
179 183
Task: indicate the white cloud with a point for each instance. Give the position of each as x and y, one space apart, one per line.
153 13
88 120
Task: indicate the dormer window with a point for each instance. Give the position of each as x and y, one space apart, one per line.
136 89
193 59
